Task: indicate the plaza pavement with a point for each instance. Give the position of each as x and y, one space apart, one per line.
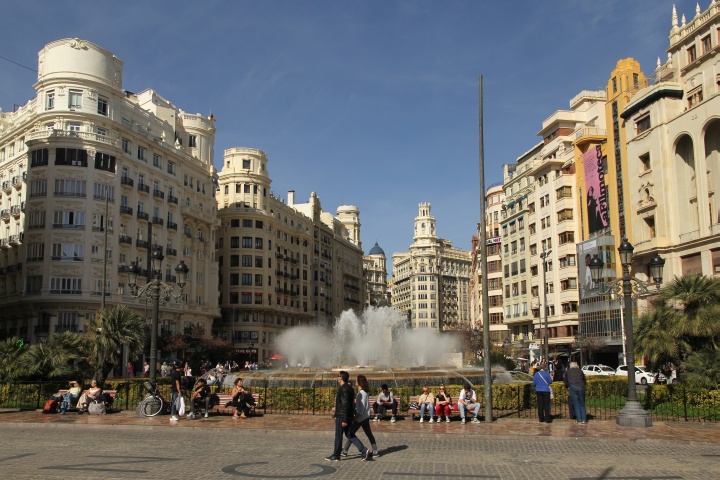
122 446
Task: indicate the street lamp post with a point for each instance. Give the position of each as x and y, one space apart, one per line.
632 414
156 292
476 339
544 256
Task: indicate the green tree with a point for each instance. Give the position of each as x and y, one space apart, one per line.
683 326
61 355
108 331
10 353
702 369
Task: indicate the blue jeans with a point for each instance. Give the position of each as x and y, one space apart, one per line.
339 432
577 398
173 406
68 401
474 406
429 407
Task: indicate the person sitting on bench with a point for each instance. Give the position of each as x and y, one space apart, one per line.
384 401
88 397
71 397
200 395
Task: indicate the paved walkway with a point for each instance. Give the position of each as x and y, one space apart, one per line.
120 445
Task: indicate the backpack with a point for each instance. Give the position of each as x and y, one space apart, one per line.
51 406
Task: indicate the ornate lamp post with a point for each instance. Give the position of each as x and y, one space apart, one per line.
476 334
632 415
156 292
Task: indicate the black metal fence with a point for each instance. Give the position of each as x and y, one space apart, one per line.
664 403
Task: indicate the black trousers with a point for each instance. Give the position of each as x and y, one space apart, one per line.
198 401
543 400
241 405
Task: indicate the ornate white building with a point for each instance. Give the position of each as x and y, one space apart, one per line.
375 269
282 263
431 282
81 141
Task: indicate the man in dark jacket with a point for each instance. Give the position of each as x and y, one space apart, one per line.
575 383
344 415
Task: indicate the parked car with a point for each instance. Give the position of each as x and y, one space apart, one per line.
598 370
641 375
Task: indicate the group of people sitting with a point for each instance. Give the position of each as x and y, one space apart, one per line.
200 396
441 404
73 397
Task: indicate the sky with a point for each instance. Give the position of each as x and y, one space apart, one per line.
369 103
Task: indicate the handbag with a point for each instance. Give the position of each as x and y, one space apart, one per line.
552 395
181 405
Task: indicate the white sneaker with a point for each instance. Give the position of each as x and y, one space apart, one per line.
392 420
475 420
447 419
422 420
174 418
190 416
463 421
376 419
431 420
207 414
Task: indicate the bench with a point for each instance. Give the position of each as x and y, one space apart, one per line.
372 399
109 399
226 397
455 412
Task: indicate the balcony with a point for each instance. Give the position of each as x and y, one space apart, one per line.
126 181
126 239
70 226
15 211
4 243
172 226
171 252
7 186
5 214
158 194
142 244
158 221
172 199
143 216
170 278
15 239
17 182
125 210
143 188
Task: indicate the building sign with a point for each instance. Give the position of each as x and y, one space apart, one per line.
492 241
598 210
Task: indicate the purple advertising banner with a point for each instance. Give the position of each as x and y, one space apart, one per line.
598 211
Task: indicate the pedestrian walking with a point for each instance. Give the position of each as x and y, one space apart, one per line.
575 383
362 420
542 381
175 379
344 415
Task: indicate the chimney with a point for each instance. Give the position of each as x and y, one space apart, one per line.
291 198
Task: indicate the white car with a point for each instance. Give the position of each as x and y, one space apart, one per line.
598 370
641 375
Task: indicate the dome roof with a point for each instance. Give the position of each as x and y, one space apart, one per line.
376 250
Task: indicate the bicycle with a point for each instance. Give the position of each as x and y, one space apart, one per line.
153 403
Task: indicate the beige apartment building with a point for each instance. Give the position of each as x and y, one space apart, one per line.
673 151
494 201
83 159
282 263
431 282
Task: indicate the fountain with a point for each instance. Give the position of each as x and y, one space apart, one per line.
376 343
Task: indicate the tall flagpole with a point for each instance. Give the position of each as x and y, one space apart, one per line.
483 265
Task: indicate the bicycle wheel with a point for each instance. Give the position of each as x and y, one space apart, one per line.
151 406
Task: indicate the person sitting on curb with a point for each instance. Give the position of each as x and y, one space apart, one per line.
384 401
426 401
468 401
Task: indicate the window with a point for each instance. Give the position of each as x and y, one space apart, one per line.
192 141
645 162
694 97
103 161
246 164
568 284
247 278
247 242
247 223
234 242
532 228
71 156
75 99
642 124
531 207
706 44
74 127
141 153
614 84
39 157
70 188
691 54
126 145
50 100
247 261
66 286
566 214
563 192
156 161
102 106
649 227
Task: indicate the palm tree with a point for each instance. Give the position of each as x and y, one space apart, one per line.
108 331
10 353
61 355
655 337
702 369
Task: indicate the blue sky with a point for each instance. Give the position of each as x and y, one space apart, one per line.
368 103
